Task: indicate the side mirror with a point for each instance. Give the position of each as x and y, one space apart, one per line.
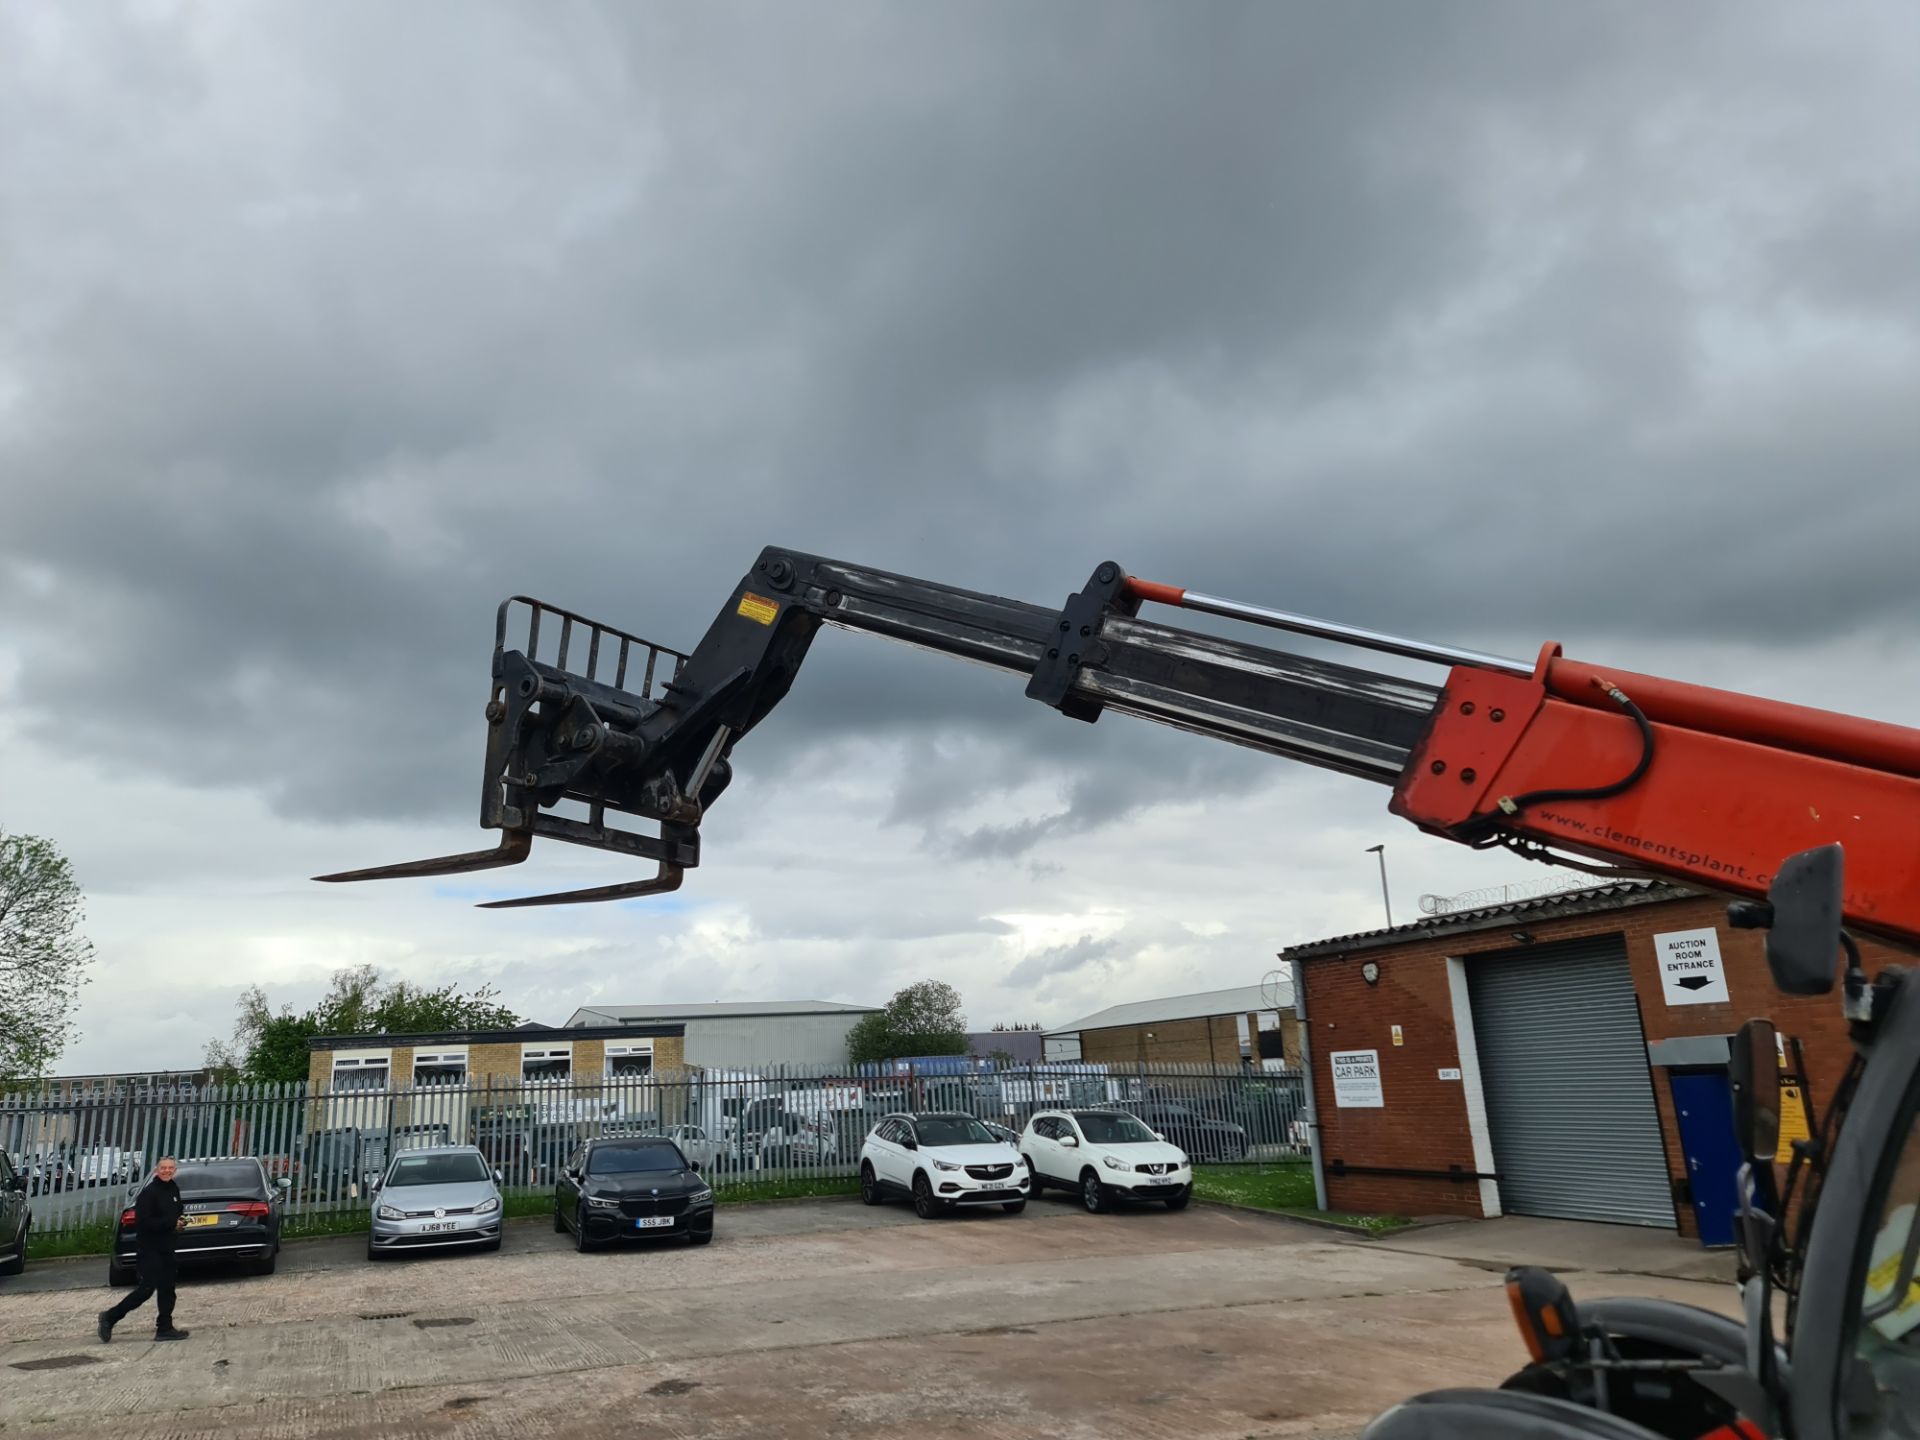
498 1178
374 1183
694 1166
910 1143
1754 1068
1158 1136
1802 917
1072 1142
283 1183
1544 1311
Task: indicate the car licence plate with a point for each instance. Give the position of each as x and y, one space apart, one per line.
654 1222
438 1226
196 1220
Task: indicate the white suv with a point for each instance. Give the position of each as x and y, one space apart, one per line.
942 1162
1104 1155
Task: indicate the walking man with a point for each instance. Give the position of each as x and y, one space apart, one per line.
158 1214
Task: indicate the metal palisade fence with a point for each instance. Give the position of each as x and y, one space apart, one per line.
83 1155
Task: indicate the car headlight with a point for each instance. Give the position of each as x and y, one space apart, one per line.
702 1196
387 1212
487 1207
945 1165
1113 1162
601 1203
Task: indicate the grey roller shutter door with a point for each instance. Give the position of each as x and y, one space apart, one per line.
1563 1063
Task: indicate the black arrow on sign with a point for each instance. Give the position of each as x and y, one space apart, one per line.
1694 982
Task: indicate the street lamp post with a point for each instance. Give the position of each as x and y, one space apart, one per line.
1385 901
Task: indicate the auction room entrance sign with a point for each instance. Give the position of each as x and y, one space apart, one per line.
1690 969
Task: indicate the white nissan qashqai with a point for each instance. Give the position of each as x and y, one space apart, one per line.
943 1162
1104 1155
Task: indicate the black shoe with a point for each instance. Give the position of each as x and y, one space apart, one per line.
104 1327
171 1334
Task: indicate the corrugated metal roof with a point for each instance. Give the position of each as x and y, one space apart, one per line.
601 1014
1615 895
1237 1001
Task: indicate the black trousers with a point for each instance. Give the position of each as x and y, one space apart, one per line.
156 1269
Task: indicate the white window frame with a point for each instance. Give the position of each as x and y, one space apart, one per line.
362 1062
628 1052
546 1051
441 1060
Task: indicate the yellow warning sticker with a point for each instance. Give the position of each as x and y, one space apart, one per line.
1793 1122
1793 1108
758 608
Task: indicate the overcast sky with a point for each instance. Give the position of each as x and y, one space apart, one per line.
324 327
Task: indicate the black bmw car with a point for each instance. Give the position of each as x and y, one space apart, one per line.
632 1188
232 1215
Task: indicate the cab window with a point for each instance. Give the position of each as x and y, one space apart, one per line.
1886 1329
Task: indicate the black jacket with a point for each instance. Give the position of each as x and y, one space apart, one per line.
155 1214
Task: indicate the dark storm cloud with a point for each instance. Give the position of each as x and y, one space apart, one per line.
1062 960
318 339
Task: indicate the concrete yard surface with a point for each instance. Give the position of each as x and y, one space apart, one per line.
800 1320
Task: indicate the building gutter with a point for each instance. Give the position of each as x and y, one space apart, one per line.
1306 1065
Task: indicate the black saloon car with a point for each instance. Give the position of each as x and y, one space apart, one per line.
632 1188
1202 1137
232 1214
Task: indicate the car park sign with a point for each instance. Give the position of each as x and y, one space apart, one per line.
1356 1080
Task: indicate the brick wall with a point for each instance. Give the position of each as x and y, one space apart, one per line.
1290 1039
590 1061
494 1064
1424 1123
1214 1041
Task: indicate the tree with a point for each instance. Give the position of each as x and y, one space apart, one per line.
922 1019
43 958
270 1046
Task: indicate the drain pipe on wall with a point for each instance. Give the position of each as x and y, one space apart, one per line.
1306 1064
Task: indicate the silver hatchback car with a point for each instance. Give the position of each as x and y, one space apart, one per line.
437 1197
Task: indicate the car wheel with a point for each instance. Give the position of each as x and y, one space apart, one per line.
1034 1183
1014 1207
559 1220
119 1276
869 1185
1180 1201
493 1244
266 1263
924 1205
17 1262
580 1241
373 1255
1093 1194
700 1237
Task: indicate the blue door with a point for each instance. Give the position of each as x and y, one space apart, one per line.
1704 1102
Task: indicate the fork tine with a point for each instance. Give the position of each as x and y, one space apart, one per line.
668 879
514 846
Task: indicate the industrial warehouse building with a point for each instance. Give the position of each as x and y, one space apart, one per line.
1212 1027
746 1035
1561 1056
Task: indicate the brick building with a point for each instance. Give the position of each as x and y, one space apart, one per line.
492 1057
1561 1056
1212 1027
